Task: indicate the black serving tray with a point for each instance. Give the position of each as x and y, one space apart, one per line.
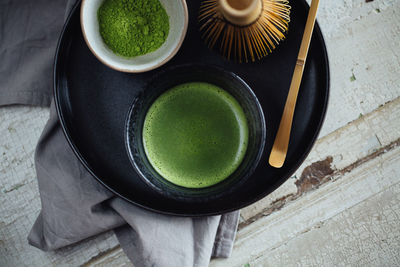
93 100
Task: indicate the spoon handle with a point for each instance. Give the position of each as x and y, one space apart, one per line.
281 143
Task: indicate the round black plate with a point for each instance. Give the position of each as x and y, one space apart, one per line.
93 100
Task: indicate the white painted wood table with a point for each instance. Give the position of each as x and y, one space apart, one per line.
342 207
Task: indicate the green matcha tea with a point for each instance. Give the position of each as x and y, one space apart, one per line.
133 28
195 135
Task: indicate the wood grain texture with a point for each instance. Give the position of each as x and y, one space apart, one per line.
347 212
357 142
261 241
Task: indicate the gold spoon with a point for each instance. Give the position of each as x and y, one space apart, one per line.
281 143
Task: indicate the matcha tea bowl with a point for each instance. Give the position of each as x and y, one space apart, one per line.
195 132
134 35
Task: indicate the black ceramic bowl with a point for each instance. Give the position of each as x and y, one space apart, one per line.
195 73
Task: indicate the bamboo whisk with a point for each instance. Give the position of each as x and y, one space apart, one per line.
244 29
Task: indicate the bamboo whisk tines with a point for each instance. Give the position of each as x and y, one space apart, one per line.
244 29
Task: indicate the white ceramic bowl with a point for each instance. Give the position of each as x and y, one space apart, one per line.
178 21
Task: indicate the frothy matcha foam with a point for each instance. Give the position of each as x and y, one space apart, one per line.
195 135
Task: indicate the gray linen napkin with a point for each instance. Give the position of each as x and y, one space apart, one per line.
74 205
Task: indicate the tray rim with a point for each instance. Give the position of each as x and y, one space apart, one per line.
273 187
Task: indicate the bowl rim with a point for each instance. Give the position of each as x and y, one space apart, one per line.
159 64
196 197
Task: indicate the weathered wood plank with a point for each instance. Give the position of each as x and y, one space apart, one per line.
365 43
262 241
364 235
336 152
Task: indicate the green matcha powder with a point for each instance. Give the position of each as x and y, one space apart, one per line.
133 27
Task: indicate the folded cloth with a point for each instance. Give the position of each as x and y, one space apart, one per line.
74 205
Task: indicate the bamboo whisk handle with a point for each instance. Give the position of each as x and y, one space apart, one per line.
240 12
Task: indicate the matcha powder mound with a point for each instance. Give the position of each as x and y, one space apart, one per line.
133 27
